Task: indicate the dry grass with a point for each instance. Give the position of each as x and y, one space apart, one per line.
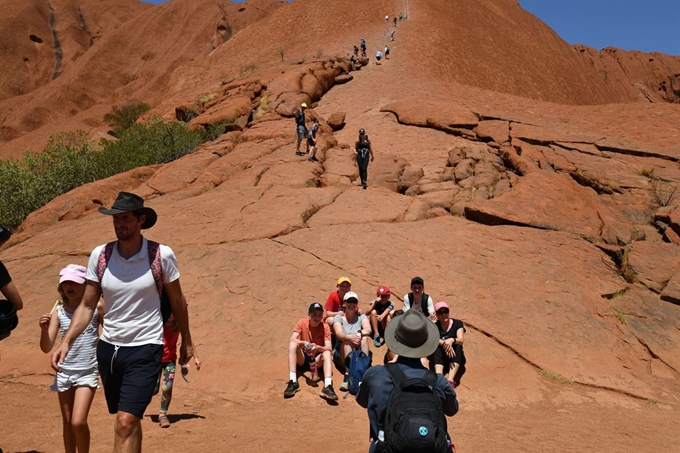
662 192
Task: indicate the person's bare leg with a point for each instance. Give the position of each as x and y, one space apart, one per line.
374 322
295 356
364 345
327 361
66 405
81 409
127 433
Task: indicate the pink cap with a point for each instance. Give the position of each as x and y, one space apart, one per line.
439 305
73 273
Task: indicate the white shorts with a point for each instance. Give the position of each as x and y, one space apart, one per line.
64 380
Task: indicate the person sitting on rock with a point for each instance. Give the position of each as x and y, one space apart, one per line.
308 349
449 358
380 314
333 304
311 140
418 300
352 331
301 129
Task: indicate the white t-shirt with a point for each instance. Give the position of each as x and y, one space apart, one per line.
419 307
132 305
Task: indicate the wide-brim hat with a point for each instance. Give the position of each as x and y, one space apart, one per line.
129 202
412 335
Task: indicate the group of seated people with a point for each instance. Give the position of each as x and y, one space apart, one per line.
328 335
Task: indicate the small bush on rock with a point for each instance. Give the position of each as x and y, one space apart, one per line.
122 118
70 160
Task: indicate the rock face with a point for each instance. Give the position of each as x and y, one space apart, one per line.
538 222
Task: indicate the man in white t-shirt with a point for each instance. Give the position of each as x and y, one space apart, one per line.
131 346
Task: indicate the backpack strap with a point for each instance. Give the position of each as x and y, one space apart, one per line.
104 257
431 379
154 250
396 374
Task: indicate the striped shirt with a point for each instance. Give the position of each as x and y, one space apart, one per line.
83 352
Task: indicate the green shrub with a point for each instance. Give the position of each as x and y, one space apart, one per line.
122 118
70 160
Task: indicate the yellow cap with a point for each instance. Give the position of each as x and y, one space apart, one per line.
341 280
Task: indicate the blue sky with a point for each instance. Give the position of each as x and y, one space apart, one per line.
648 26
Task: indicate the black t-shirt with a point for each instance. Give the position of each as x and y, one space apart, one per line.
4 276
450 333
300 118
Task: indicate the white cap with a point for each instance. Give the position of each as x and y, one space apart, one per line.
350 295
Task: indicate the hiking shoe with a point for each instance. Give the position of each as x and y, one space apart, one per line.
376 341
329 394
299 153
292 388
345 384
163 421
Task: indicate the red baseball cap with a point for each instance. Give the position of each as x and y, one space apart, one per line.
382 291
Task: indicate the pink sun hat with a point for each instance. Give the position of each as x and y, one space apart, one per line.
440 305
73 273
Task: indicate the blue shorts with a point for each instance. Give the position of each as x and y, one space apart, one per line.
129 375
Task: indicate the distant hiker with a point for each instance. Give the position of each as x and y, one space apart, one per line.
333 304
352 331
380 314
356 51
449 358
353 62
363 44
387 53
395 21
392 35
387 18
133 274
363 150
308 349
78 379
311 141
418 300
301 129
406 394
401 16
378 56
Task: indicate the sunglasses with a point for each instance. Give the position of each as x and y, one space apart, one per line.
444 311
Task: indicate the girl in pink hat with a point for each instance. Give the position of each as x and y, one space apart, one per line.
78 380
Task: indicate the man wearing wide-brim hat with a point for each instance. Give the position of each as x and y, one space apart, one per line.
130 350
412 336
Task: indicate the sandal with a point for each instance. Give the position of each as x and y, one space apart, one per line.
163 421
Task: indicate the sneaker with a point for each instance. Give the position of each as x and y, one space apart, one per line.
292 388
163 421
376 341
329 394
299 153
345 384
364 186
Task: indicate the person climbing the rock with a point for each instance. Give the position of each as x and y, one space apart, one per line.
363 45
387 53
301 129
378 56
356 51
311 140
362 150
395 21
392 35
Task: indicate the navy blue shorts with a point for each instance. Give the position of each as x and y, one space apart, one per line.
129 375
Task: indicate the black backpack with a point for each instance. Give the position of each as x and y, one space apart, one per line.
426 310
414 420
